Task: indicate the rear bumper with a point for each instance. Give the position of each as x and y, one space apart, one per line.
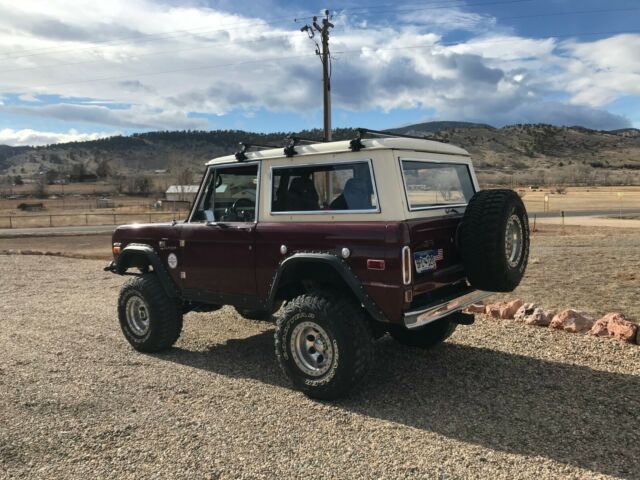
443 307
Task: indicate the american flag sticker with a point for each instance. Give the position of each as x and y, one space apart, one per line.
426 260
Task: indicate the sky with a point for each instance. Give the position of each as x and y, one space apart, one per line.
81 70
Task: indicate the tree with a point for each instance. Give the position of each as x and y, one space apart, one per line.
52 175
18 180
104 169
78 171
40 187
140 185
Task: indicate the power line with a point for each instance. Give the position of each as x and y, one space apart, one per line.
290 57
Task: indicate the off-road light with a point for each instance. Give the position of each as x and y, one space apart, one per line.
116 248
406 265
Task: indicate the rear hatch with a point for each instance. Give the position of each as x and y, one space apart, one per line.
435 256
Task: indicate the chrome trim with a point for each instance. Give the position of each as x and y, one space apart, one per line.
418 318
324 212
407 270
439 205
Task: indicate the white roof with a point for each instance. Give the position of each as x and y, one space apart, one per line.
396 143
182 189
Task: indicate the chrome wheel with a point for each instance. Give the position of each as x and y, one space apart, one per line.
513 241
311 348
137 314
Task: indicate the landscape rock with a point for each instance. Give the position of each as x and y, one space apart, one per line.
600 328
524 311
504 310
620 328
475 308
572 321
533 314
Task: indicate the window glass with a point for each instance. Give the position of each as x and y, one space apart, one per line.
229 195
336 187
431 184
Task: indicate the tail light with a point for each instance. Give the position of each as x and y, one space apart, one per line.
406 265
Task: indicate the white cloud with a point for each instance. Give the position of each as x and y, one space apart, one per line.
30 137
493 77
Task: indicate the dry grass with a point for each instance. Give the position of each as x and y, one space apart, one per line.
583 198
595 269
79 246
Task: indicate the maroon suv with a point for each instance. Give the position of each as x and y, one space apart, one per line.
343 241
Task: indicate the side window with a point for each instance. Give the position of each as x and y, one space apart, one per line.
332 187
228 195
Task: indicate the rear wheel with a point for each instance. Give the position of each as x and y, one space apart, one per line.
494 239
150 320
324 345
425 337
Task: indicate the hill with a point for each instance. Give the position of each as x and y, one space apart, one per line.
528 153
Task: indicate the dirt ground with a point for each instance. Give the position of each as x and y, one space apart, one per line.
499 400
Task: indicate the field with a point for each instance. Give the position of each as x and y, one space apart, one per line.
582 198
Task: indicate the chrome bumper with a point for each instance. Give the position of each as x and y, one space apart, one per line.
436 311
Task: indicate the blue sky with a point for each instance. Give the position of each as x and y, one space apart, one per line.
127 66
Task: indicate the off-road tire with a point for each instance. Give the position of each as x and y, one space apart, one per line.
165 315
350 335
425 337
483 244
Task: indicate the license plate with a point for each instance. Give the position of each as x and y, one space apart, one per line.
427 260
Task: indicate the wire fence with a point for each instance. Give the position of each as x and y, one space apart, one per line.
78 219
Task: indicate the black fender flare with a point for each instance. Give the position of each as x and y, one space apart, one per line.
133 250
340 267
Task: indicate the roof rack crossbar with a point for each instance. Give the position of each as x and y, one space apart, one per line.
241 154
356 144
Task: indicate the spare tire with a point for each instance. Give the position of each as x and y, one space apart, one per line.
494 240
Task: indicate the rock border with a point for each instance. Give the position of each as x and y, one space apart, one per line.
614 325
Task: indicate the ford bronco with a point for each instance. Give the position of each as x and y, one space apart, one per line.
343 241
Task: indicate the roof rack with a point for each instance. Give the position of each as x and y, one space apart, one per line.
356 144
241 154
291 142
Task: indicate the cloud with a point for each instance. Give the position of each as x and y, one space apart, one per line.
134 116
217 62
30 137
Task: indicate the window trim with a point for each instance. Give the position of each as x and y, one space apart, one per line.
209 172
368 161
440 205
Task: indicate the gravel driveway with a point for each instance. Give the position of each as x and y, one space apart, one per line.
498 400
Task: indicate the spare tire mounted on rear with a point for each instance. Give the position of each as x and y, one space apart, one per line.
494 239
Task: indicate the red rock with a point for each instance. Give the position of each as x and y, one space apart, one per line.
475 308
524 311
599 328
493 310
572 321
620 328
509 309
539 318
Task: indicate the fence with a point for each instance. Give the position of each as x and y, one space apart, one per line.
76 219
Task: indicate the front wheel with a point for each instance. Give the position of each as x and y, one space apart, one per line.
324 345
150 320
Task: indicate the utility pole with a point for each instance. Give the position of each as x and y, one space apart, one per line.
325 58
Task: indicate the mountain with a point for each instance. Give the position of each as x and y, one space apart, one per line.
534 153
429 128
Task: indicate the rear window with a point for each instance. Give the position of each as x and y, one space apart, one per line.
339 187
433 185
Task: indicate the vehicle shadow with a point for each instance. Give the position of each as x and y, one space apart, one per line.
498 400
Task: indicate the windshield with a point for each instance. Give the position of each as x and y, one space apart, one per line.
433 185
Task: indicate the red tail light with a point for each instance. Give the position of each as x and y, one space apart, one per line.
406 266
374 264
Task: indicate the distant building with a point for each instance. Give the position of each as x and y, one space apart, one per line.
181 193
160 171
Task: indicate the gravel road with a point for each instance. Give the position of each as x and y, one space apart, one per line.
499 400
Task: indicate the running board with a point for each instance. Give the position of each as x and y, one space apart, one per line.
436 311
